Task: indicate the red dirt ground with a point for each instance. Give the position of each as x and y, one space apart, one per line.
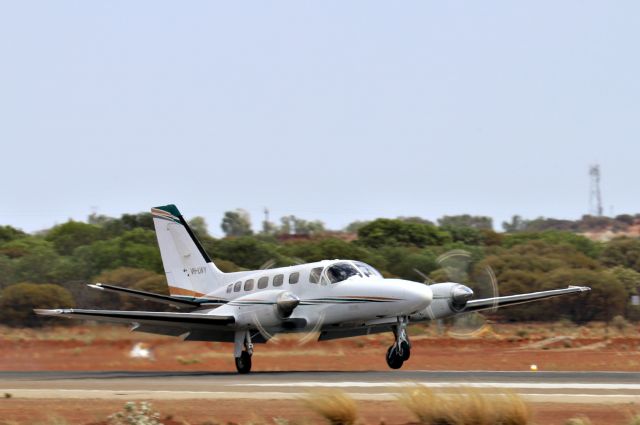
497 347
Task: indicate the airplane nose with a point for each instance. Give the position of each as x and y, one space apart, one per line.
420 296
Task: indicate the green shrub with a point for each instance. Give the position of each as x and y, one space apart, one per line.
18 301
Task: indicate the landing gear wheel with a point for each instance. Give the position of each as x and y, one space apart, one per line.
394 360
406 350
243 363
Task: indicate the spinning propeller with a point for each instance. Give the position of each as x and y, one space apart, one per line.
477 282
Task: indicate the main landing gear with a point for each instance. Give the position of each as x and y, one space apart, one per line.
243 350
400 351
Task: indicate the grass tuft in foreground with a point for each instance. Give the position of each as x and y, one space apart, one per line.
578 420
635 420
465 407
335 406
136 414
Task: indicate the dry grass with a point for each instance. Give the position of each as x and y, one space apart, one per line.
335 406
579 420
635 420
466 407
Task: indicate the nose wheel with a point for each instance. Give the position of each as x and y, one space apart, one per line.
243 363
400 351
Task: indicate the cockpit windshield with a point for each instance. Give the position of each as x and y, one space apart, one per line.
341 271
367 270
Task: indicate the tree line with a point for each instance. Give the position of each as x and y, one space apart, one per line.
50 268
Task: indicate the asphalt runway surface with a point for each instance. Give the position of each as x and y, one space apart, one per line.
556 387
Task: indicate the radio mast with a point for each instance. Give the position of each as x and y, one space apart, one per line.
595 197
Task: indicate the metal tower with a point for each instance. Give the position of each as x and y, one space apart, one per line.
595 198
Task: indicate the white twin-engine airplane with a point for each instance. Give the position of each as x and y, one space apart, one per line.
337 298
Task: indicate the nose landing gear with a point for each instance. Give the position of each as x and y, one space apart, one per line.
400 351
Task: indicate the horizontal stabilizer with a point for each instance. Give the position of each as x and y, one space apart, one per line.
495 302
156 318
151 296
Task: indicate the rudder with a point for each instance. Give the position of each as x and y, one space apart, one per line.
189 270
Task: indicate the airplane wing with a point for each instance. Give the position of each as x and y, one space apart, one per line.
495 302
189 326
141 319
386 324
164 299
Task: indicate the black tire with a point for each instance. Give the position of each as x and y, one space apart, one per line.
406 350
243 363
394 361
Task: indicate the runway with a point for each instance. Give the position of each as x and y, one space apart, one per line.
563 387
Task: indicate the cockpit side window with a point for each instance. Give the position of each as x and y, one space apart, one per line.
314 276
341 271
367 270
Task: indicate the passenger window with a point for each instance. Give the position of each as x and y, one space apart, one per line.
314 276
248 285
278 280
229 288
294 277
263 282
237 286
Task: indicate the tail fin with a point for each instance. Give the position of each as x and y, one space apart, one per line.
189 270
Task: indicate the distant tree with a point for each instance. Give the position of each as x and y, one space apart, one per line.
517 224
415 219
7 277
199 226
542 224
594 223
466 235
514 281
33 259
8 233
18 301
491 238
466 220
292 225
135 248
408 262
236 223
606 299
553 237
72 234
269 227
129 277
134 221
626 219
390 232
329 248
354 226
622 252
112 227
248 252
98 219
629 278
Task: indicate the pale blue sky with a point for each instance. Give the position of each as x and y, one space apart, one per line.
327 110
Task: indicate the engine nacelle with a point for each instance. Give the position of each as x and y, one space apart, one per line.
261 309
449 298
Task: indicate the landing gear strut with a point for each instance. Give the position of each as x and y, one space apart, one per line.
243 350
400 351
